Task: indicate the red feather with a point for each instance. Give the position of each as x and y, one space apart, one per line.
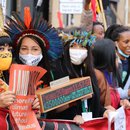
27 17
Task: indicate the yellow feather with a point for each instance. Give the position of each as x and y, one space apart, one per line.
1 18
2 33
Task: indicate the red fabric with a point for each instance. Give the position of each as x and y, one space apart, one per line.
3 121
102 124
97 124
93 7
59 19
115 98
127 111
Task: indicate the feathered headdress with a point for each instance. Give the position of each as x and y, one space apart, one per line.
4 37
37 27
84 38
80 37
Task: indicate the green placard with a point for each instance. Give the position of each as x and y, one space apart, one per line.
66 94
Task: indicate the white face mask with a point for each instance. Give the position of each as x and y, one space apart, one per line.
122 53
77 56
30 59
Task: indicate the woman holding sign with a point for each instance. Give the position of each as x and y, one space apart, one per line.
35 42
7 98
77 62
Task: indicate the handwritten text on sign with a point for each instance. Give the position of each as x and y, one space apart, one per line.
71 8
66 94
120 119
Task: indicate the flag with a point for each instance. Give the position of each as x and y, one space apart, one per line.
95 8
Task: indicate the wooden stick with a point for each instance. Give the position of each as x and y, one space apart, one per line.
103 15
116 14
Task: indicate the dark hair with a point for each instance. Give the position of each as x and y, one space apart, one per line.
87 64
44 63
5 40
113 32
96 23
104 54
88 70
105 57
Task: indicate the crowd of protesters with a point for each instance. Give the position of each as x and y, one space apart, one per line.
88 50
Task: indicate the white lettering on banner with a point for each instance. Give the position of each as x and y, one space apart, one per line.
120 119
24 101
28 127
21 121
18 114
18 107
20 111
71 8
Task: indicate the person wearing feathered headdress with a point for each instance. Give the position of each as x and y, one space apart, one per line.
6 97
47 44
78 62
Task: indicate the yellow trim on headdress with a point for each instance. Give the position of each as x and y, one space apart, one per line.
2 32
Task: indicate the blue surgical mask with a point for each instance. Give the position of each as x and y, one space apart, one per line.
122 53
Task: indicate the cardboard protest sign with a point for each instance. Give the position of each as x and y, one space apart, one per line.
55 97
23 117
23 80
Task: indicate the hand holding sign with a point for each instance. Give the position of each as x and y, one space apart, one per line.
54 97
23 81
6 99
125 103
